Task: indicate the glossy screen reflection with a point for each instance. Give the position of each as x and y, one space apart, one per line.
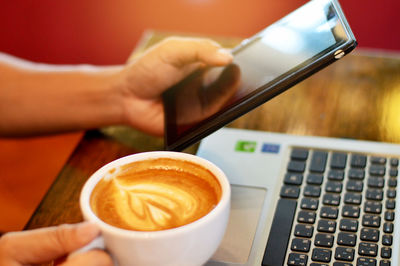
276 53
282 47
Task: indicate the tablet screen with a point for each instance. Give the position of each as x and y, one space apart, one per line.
263 66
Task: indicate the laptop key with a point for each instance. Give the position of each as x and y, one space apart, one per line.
373 207
324 240
388 228
352 198
354 186
304 230
371 220
356 173
348 225
350 211
295 259
338 160
290 192
387 240
386 252
333 186
302 245
393 172
339 263
378 160
366 262
326 226
299 154
390 204
392 182
376 182
347 239
312 191
306 217
296 166
342 253
278 240
374 194
391 193
314 179
394 162
309 204
377 170
331 199
384 263
369 234
368 249
389 216
321 255
318 161
329 212
358 160
293 179
336 175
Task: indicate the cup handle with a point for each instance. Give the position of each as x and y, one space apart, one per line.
97 243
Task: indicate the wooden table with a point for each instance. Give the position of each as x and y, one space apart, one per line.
357 97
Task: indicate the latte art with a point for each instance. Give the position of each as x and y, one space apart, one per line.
150 206
155 194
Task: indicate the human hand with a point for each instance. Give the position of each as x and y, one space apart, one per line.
46 244
144 79
203 94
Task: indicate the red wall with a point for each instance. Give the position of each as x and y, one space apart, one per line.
105 31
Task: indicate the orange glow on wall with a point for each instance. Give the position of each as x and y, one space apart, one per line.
105 32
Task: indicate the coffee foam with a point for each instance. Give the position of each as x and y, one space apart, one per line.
155 194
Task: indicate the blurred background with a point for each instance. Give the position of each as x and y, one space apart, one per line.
105 32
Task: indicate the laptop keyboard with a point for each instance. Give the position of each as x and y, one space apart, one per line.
335 208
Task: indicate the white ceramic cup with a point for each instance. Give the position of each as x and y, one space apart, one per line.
190 244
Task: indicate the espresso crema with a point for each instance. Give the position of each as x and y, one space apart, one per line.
155 194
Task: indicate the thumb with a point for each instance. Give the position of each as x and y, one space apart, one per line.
45 244
92 257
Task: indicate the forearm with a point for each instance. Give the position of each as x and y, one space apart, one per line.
38 98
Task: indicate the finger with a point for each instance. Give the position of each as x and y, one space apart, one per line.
93 257
45 244
183 51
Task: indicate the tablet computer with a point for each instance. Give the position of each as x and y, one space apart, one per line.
264 65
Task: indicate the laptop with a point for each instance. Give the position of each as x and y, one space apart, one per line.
301 200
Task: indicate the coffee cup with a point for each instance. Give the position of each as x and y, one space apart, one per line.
158 208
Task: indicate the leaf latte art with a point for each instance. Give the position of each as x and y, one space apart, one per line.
155 194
